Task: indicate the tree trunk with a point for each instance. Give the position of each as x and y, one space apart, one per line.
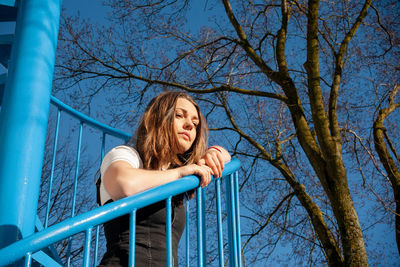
342 204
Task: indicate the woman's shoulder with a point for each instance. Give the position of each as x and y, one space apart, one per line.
124 149
122 153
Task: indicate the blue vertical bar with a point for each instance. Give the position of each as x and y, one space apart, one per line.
24 115
187 232
103 145
237 213
219 223
96 245
132 238
199 227
203 225
53 163
86 248
230 209
28 260
78 157
168 219
69 251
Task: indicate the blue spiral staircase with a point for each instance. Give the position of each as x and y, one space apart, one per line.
27 62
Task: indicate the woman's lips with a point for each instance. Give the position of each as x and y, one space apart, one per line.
186 136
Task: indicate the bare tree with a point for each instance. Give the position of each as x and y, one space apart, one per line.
285 82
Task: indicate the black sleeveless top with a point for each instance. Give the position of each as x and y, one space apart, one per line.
150 245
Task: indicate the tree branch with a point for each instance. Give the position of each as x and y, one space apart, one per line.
244 43
339 63
385 157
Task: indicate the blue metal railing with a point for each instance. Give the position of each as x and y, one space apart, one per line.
87 221
31 246
23 121
83 120
89 121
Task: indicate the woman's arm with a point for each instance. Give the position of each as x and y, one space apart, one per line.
215 158
122 180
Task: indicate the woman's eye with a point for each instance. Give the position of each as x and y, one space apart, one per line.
178 115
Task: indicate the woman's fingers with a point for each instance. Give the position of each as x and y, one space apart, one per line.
215 158
211 164
220 162
201 162
214 165
215 161
205 175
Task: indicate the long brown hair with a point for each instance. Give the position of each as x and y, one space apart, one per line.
155 139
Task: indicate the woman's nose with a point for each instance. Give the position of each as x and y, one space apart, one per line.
188 125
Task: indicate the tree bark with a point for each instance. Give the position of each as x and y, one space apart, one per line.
387 160
332 174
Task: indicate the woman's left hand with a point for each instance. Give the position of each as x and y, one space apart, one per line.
213 159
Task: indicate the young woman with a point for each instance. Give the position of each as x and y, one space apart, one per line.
171 142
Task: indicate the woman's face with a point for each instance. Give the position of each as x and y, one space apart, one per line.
185 122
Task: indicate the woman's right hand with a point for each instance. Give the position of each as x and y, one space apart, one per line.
203 172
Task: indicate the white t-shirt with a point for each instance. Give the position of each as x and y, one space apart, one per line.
124 153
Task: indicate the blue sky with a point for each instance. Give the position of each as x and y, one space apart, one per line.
94 11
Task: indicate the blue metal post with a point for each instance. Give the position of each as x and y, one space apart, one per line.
237 213
86 247
200 237
132 238
75 186
96 246
219 222
187 230
28 260
168 229
24 115
203 221
230 210
53 164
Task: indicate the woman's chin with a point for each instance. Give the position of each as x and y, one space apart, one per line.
183 150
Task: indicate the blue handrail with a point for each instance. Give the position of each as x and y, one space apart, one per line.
88 220
89 121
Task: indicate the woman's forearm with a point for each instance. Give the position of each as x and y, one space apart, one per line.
122 180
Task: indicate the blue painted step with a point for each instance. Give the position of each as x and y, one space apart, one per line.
7 3
8 13
5 51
